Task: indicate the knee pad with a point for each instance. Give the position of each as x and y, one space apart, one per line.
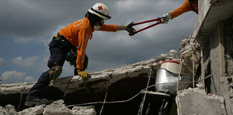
54 72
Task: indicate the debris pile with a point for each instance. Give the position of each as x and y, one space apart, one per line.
56 108
121 84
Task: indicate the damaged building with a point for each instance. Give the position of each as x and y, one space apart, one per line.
198 79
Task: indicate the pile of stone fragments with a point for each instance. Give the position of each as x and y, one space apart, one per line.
56 108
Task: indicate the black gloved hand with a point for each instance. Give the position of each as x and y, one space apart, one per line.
166 17
129 28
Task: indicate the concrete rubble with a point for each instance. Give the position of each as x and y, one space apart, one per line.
212 92
56 108
197 102
8 110
186 100
100 80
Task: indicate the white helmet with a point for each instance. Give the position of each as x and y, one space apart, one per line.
100 10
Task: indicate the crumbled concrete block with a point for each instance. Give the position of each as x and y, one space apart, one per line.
11 109
3 111
197 102
86 110
57 108
37 110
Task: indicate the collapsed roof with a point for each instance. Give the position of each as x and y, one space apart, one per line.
120 89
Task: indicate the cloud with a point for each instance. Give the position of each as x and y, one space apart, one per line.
29 21
14 77
2 61
27 62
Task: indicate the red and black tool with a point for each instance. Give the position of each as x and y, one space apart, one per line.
157 20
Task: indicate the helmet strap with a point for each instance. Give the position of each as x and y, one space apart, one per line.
91 18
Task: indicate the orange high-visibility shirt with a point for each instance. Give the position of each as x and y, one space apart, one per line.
78 34
185 7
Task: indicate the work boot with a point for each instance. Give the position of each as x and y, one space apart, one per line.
37 101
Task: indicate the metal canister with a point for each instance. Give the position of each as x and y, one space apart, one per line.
166 81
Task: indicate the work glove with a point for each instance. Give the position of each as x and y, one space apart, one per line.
129 28
84 75
166 18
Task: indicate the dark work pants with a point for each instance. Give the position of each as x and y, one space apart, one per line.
58 51
57 58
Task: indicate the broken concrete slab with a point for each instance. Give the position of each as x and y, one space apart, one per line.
37 110
83 110
8 110
3 111
197 102
11 109
56 108
105 76
15 88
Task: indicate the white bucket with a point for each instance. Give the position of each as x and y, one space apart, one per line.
171 65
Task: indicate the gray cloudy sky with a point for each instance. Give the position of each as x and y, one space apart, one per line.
27 26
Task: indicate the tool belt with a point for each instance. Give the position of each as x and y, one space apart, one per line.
71 51
65 44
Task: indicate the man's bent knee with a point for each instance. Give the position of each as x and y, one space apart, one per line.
54 72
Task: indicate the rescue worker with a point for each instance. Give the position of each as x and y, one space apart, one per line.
70 44
188 5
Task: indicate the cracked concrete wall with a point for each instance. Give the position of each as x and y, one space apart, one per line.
199 103
217 96
214 31
218 55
